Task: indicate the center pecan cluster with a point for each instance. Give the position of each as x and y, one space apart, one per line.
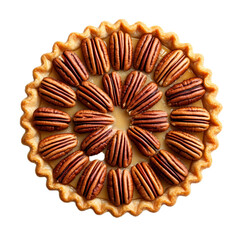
137 98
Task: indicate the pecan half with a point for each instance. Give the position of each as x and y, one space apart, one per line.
169 167
145 141
89 121
132 85
95 142
145 99
95 55
120 186
70 68
146 53
153 121
68 168
146 181
120 50
186 92
56 146
50 119
94 97
112 85
57 93
171 67
195 119
92 179
119 151
185 144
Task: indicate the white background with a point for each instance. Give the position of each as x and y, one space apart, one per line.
28 210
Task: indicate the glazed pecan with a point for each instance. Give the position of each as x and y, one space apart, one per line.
145 99
57 93
146 53
120 50
153 121
120 186
50 119
119 151
186 92
112 85
146 181
70 68
195 119
169 167
94 97
89 121
95 142
95 55
132 85
56 146
185 144
92 179
171 67
68 168
145 141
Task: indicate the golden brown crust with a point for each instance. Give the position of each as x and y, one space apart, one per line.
67 193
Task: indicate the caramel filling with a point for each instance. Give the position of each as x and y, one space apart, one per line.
122 119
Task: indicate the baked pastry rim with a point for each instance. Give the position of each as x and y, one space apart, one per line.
67 193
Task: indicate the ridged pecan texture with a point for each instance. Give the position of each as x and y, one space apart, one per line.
92 179
70 68
95 55
120 186
119 152
56 146
146 53
68 168
185 144
120 50
57 93
89 120
50 119
146 181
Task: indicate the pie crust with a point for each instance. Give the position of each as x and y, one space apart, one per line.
31 137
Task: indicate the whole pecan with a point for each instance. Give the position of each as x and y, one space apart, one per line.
186 92
144 99
153 121
119 151
94 97
95 142
195 119
57 93
132 85
145 141
120 186
169 167
56 146
112 85
70 68
92 179
68 168
95 55
171 67
120 50
185 144
50 119
146 181
89 121
146 53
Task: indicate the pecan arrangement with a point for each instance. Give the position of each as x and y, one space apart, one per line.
138 96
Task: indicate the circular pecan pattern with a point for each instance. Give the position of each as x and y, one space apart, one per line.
137 96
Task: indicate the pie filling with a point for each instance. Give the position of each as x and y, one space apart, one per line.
122 119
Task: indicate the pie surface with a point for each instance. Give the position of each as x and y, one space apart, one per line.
122 120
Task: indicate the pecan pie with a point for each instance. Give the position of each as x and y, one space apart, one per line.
133 93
